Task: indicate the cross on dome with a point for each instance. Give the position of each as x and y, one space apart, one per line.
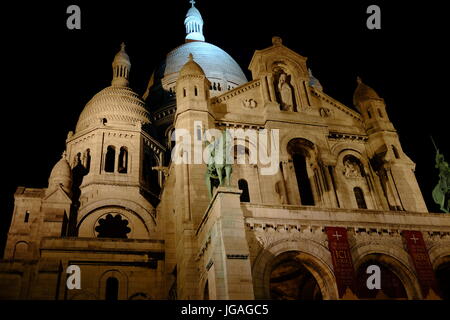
194 24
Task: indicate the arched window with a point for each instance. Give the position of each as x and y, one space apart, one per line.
20 250
112 227
304 185
380 113
359 195
123 160
110 158
241 154
245 195
195 91
184 92
87 160
112 289
395 151
27 216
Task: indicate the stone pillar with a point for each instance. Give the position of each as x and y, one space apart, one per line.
230 275
291 183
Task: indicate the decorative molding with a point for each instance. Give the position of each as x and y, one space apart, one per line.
347 136
237 256
239 125
164 113
235 92
338 105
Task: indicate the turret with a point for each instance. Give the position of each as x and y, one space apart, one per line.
192 87
121 68
391 164
372 108
61 175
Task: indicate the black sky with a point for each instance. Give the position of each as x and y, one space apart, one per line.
52 72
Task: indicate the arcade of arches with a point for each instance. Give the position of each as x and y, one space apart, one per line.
291 279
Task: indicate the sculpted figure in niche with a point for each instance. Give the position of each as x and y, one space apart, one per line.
285 92
351 169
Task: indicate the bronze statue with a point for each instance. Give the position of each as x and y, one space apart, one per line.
219 162
441 193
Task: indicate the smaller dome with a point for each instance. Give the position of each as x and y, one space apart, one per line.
121 56
191 68
61 175
363 93
115 105
193 12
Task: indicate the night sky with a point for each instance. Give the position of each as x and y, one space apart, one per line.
51 72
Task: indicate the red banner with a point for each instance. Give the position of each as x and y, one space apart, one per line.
342 259
419 254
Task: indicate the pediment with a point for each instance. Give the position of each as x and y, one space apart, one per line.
264 61
58 195
329 107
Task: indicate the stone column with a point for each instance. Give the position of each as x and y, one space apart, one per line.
230 255
291 183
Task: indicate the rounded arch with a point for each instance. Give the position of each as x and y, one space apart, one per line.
440 260
21 249
290 65
315 257
139 296
291 135
439 254
249 148
306 168
142 224
122 280
144 213
353 170
338 148
394 258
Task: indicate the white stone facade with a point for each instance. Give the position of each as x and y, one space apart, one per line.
173 241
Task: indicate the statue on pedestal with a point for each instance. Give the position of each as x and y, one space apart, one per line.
441 193
220 162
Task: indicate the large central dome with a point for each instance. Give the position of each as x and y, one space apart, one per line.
220 68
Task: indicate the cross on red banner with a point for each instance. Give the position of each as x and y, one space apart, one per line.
419 254
342 259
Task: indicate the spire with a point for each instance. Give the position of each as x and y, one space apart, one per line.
121 68
363 93
194 24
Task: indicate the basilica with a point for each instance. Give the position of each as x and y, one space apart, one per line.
343 197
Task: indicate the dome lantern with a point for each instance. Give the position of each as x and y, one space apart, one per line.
194 24
121 68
